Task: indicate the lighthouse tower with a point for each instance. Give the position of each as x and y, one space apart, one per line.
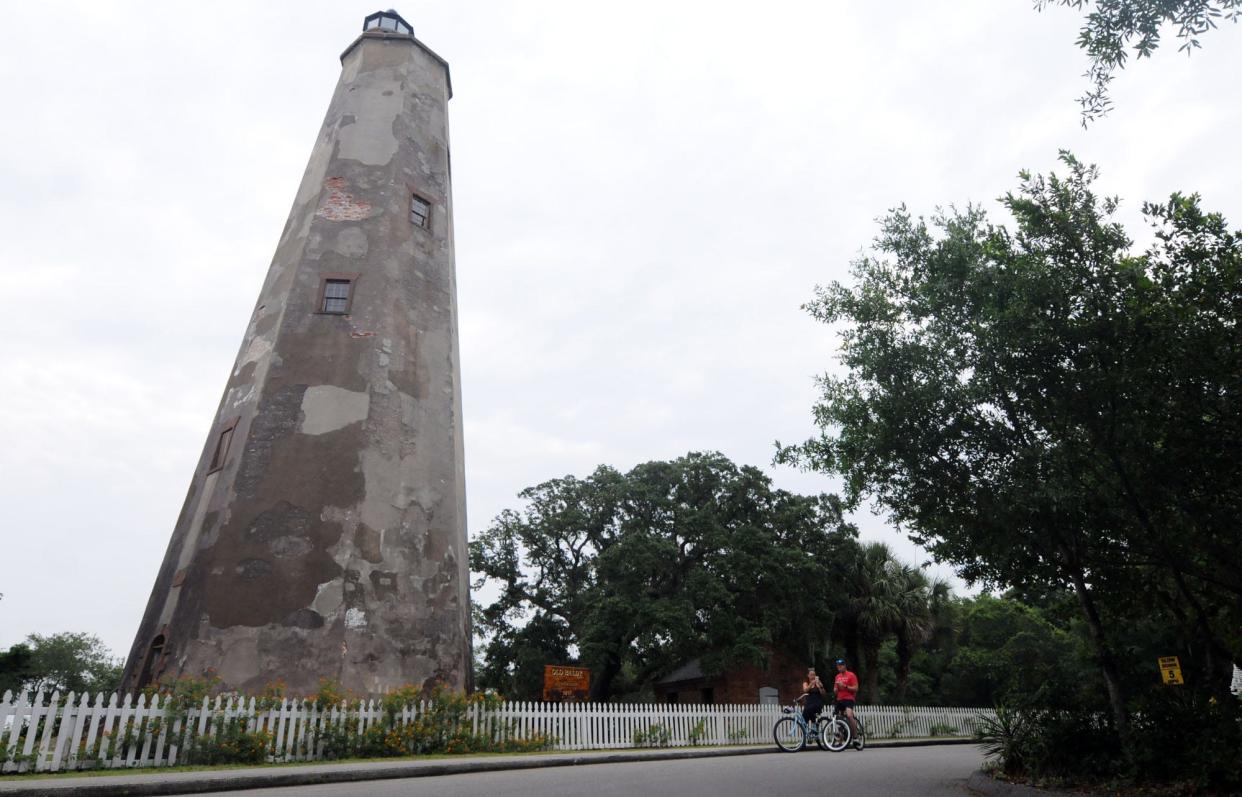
324 533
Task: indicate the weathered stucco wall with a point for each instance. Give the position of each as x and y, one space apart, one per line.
332 542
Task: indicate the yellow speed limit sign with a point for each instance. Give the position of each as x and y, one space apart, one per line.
1171 670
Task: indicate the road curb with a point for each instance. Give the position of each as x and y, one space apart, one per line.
170 783
983 783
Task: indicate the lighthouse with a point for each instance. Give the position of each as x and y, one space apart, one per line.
324 531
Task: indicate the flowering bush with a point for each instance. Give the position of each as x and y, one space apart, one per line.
231 743
442 724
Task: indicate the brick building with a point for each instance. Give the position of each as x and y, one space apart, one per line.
778 680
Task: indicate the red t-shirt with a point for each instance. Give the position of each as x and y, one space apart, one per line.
846 685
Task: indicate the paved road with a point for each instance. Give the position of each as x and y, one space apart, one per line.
891 772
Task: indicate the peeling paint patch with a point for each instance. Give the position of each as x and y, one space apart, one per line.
257 350
329 597
351 242
253 569
409 410
340 205
290 546
326 408
369 543
355 619
370 138
238 396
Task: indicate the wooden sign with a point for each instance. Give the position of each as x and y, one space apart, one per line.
1171 670
563 684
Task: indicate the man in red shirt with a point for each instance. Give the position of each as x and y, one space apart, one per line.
846 687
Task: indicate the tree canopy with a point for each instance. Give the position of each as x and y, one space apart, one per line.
637 572
1046 408
1115 28
65 662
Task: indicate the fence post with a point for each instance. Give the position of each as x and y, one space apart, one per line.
45 742
121 731
68 717
98 716
79 725
132 724
148 730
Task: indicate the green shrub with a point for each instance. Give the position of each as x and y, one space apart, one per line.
182 694
654 736
1046 743
1180 736
1177 738
443 726
1003 739
231 743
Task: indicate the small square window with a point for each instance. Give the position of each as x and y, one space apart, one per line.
222 447
420 212
336 296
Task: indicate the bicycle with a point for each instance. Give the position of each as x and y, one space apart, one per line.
843 737
792 732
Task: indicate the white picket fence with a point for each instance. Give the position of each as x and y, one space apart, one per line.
48 734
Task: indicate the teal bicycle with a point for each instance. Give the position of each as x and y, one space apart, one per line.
792 732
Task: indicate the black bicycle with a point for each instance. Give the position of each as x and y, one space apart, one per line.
842 737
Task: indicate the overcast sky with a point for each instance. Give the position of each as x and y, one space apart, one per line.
645 195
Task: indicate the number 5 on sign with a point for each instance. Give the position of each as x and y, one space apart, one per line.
1171 670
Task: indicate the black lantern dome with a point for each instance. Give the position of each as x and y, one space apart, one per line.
387 20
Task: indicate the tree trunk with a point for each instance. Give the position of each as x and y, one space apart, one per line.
871 673
904 654
849 641
1108 664
601 685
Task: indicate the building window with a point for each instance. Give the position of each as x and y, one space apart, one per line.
420 212
151 664
335 296
707 695
223 442
336 293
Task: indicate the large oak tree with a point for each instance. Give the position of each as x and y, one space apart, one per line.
1046 407
637 572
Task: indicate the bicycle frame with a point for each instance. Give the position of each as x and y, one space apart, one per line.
809 730
862 729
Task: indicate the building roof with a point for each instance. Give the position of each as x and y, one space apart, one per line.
690 671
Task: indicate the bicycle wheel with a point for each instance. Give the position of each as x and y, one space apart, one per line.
836 735
789 734
860 741
823 732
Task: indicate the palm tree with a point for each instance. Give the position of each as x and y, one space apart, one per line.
913 624
871 610
885 597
